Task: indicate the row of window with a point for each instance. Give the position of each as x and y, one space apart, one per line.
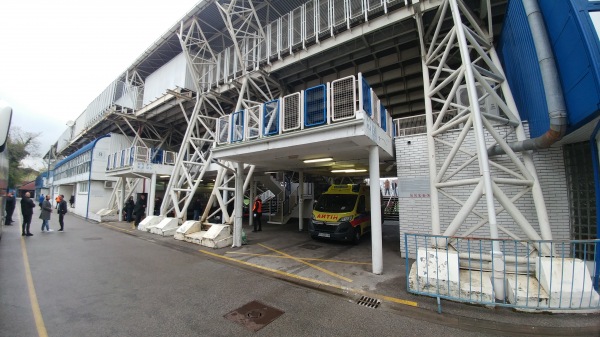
78 165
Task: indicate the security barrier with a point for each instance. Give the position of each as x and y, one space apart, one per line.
344 99
468 270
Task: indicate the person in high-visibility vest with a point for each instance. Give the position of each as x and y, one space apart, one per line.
257 211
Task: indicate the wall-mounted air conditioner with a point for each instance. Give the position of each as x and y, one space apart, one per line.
109 184
488 105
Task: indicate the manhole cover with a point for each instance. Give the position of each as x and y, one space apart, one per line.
254 315
369 302
91 239
310 246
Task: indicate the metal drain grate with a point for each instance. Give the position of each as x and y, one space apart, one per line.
369 302
254 315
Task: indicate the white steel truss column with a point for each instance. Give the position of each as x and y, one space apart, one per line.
470 110
246 31
252 87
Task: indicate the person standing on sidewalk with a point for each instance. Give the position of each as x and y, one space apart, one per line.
62 210
10 208
257 212
129 206
45 214
27 206
140 209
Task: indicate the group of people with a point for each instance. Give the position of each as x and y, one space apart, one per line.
27 206
137 209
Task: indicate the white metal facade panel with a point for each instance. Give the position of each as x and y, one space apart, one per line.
170 76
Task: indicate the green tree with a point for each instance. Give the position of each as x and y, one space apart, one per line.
20 145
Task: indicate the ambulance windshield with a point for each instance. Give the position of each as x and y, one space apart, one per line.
336 203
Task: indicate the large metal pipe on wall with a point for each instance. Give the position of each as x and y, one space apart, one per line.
555 100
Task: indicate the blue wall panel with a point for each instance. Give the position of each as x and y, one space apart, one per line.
517 52
577 51
576 48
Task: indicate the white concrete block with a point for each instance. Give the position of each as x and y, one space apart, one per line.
524 290
166 227
149 221
436 271
188 227
218 236
568 283
195 237
476 286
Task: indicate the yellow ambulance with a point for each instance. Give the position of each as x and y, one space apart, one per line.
342 213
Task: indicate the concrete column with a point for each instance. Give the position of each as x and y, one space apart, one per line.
225 196
238 205
301 201
376 232
251 203
151 196
122 201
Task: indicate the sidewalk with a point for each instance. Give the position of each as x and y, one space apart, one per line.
283 252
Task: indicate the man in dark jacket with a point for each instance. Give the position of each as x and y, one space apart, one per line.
129 206
140 209
197 207
62 210
10 208
27 206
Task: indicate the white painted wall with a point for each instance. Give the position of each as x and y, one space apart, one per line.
415 209
170 76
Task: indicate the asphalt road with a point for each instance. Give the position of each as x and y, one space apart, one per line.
94 281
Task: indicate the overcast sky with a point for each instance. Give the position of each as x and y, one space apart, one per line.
57 56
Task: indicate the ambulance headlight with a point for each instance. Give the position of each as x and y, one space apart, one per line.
345 219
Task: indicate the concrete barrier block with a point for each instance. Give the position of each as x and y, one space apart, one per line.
436 271
568 283
476 286
524 290
166 227
149 221
217 236
188 227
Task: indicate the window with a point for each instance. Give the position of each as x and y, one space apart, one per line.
83 187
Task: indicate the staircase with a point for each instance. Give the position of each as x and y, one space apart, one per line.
391 208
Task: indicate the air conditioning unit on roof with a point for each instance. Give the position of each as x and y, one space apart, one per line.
109 184
488 105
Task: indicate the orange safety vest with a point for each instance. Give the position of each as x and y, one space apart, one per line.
257 206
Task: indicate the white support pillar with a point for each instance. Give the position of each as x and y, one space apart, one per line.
225 197
123 181
151 196
239 201
251 203
301 201
376 232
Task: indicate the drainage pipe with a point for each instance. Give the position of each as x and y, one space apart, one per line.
557 110
594 140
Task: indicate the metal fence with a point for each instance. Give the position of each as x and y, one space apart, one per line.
468 270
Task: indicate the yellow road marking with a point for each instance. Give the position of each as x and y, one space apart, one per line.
301 258
119 228
385 298
308 264
37 313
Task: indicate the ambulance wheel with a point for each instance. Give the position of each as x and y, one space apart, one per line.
356 236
